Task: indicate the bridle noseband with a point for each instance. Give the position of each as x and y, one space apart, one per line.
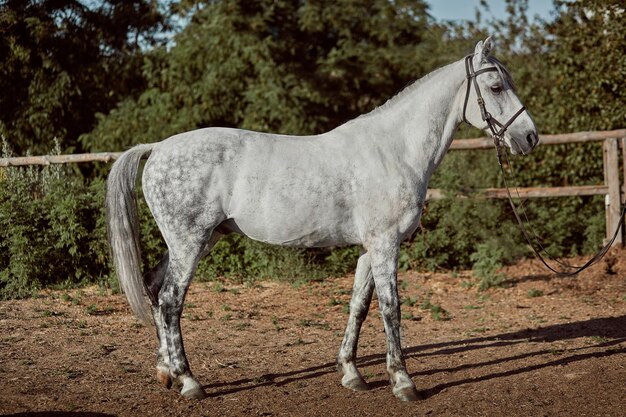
487 117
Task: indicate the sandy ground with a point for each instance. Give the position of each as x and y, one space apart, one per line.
540 346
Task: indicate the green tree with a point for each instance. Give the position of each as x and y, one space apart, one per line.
587 57
284 66
585 68
65 60
567 73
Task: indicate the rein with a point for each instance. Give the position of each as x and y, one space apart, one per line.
497 141
574 269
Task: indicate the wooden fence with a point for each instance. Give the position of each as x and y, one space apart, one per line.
612 189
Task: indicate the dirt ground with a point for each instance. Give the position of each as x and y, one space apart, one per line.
540 346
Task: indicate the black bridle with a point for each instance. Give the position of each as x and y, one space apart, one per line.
497 130
493 124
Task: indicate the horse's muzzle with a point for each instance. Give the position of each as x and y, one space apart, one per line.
532 139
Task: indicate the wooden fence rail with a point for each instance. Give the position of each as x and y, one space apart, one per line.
612 189
59 159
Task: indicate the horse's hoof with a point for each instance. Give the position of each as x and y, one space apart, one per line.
192 389
355 383
407 393
194 393
164 378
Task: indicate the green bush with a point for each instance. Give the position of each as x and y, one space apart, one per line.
453 230
487 260
245 260
51 230
53 233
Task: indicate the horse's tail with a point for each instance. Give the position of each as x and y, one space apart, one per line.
123 228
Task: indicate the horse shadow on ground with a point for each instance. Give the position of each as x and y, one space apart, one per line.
550 277
58 414
607 332
513 282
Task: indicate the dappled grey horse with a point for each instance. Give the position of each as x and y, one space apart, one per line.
363 183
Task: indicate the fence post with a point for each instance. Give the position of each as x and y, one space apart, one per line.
613 199
623 189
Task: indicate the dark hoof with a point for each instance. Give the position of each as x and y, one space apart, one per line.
164 378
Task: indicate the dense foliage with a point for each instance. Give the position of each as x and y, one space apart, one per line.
567 73
99 79
282 66
52 229
54 234
64 60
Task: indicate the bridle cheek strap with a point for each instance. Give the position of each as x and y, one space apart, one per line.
486 116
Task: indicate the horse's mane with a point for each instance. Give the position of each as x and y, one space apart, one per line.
409 88
504 73
414 85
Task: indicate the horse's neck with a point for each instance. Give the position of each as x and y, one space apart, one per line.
421 120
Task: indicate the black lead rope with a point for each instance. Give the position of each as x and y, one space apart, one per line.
497 130
576 269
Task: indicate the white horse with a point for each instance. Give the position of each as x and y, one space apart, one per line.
363 183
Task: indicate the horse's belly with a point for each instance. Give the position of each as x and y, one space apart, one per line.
302 239
296 226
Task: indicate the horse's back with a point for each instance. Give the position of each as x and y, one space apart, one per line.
288 190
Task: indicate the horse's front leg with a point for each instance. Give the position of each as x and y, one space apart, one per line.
384 259
359 306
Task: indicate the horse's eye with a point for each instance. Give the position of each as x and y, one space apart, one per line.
496 89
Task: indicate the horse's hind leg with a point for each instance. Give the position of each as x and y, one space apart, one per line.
172 362
154 281
359 306
154 278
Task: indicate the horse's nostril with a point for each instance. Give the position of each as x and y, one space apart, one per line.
531 139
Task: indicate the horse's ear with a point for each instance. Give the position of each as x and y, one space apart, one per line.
483 49
487 47
479 49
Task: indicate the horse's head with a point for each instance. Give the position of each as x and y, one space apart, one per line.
491 103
